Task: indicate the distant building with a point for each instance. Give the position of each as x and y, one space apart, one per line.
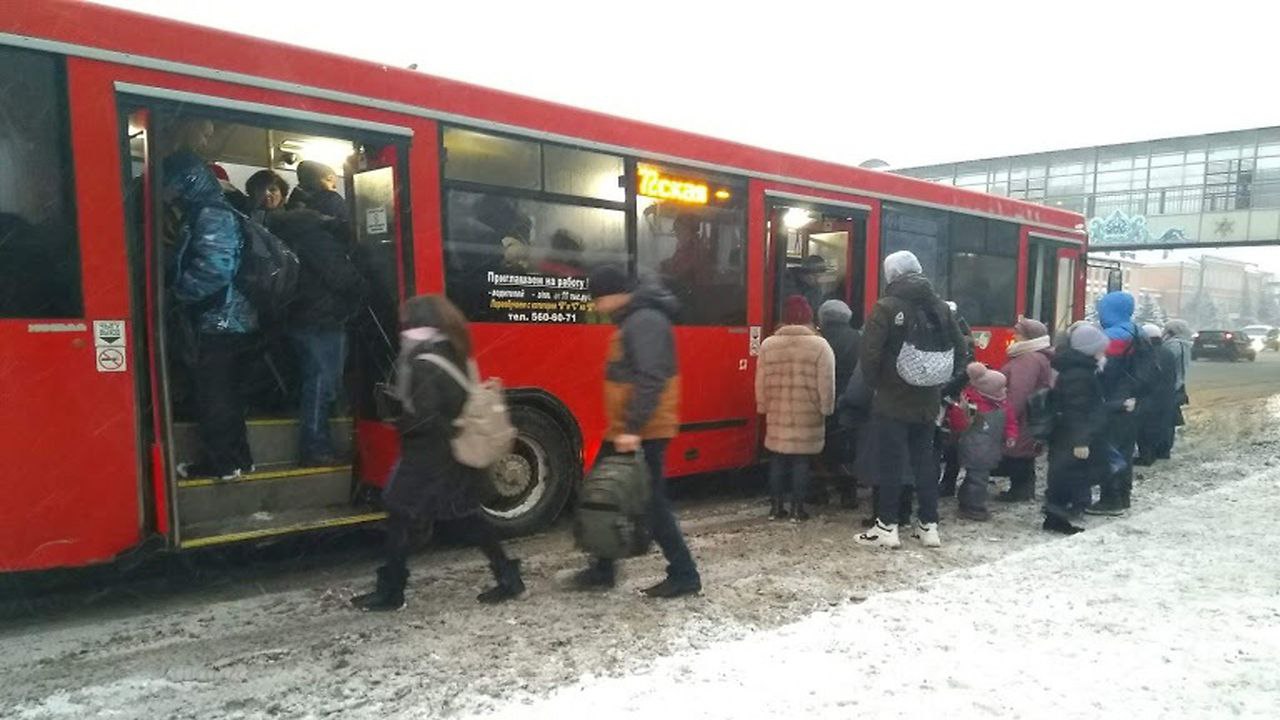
1218 189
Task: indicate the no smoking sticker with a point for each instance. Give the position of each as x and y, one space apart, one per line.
110 359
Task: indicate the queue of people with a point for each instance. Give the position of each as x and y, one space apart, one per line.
899 406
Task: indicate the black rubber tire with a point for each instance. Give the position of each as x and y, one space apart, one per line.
539 431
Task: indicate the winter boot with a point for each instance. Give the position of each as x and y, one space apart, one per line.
798 513
1019 491
600 575
388 594
510 585
973 513
1108 501
927 534
880 535
778 510
1058 524
674 587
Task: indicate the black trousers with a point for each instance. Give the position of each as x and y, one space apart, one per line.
472 529
221 359
907 449
1022 473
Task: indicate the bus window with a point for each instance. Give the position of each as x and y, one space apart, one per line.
691 231
39 249
984 270
923 231
524 223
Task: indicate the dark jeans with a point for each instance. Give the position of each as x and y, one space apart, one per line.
662 518
221 359
795 468
322 355
471 529
907 448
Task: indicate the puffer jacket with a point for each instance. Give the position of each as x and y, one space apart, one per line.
330 289
1080 413
642 378
210 242
795 389
1028 371
882 341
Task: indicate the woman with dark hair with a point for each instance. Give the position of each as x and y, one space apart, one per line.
428 483
267 191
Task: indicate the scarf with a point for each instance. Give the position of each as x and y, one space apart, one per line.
1028 346
412 341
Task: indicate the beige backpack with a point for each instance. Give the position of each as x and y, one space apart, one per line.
485 433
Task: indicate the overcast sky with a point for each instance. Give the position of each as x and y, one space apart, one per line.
907 81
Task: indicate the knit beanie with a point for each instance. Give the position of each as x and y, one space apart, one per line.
903 262
1030 328
986 381
834 312
796 311
609 279
1089 339
1152 331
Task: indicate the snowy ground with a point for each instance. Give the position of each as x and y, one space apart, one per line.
1172 611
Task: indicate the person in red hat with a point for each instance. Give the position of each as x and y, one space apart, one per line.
795 391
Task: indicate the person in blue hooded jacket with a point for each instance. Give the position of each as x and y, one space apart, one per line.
1126 379
222 318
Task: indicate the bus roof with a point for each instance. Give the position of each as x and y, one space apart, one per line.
113 35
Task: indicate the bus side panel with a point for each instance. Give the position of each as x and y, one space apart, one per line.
69 440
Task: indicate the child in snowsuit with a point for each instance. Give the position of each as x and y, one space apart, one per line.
1077 444
983 426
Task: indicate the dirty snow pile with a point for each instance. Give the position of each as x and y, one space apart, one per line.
1170 613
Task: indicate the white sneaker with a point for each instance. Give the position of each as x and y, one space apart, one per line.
880 535
927 534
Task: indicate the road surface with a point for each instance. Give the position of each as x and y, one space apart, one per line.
276 640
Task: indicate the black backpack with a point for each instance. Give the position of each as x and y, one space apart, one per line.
1040 414
926 357
268 272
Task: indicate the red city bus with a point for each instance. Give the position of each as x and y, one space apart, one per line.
500 201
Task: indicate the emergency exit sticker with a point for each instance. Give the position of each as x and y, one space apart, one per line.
109 346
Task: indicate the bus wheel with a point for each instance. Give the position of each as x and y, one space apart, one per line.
531 485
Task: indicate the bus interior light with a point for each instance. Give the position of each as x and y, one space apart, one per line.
796 218
723 195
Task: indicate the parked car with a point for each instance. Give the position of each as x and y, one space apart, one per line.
1259 335
1223 345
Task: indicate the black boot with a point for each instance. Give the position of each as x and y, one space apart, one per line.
510 584
1108 501
778 510
601 574
798 513
1019 491
388 594
1059 524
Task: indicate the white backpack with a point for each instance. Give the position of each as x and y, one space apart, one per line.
485 433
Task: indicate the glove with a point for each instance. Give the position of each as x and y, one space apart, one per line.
1081 453
1130 404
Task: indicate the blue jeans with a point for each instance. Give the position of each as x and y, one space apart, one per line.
795 468
662 517
322 355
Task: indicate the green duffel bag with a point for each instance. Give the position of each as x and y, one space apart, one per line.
611 520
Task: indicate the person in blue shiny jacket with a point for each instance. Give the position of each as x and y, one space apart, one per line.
223 320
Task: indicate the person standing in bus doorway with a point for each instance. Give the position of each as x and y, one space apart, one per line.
642 413
906 414
318 190
221 316
796 392
429 484
1029 372
330 292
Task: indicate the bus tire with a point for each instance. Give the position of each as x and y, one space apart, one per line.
532 484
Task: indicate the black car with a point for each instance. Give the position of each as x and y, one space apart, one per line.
1224 345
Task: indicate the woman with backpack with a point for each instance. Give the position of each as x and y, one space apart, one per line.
1029 372
795 391
983 426
429 483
